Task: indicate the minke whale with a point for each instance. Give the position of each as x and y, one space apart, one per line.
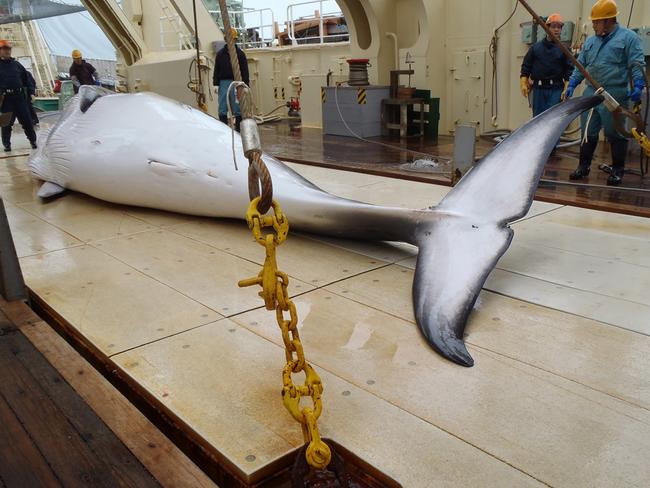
146 150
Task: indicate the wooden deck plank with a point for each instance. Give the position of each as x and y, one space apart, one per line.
161 457
156 452
69 452
289 141
93 431
19 451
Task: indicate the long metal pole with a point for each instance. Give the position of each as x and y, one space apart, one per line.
561 45
612 105
200 94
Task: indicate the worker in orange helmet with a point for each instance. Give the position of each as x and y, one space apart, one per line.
14 88
545 69
612 56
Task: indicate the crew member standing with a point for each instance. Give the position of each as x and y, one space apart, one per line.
609 56
546 69
223 77
81 71
14 85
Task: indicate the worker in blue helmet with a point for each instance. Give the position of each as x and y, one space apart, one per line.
610 56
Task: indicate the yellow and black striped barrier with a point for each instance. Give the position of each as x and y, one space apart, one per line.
361 96
323 95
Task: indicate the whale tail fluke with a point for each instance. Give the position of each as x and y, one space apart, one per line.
460 247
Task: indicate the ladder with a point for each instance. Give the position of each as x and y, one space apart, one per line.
174 20
38 52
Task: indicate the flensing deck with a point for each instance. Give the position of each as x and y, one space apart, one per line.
289 141
559 396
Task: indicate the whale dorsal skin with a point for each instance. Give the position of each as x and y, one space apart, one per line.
146 150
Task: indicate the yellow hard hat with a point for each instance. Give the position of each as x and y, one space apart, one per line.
76 54
604 9
233 33
555 18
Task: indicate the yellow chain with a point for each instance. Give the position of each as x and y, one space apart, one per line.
275 293
642 139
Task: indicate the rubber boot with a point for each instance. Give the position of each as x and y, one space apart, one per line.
619 152
587 150
223 118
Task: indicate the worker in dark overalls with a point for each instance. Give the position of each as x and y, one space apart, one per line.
14 86
223 77
546 69
82 72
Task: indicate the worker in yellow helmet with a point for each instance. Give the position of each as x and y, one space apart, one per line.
82 72
611 56
15 91
545 69
223 77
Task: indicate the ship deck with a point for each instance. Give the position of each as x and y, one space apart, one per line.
289 141
559 395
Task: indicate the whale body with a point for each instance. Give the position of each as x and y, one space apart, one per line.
150 151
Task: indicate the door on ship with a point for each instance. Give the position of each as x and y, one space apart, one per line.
468 87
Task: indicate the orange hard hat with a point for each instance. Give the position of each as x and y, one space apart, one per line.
5 43
604 9
76 54
555 19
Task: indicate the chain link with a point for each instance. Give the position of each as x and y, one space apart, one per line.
275 293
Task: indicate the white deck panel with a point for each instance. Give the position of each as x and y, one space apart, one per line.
559 396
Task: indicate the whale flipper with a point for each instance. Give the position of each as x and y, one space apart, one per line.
459 250
88 94
49 190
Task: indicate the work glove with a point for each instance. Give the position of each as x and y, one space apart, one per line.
569 89
524 84
635 94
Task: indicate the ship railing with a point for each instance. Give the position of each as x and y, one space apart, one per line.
322 37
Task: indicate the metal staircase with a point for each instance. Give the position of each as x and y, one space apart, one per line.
39 54
173 19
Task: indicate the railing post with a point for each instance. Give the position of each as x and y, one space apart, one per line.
12 286
320 24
